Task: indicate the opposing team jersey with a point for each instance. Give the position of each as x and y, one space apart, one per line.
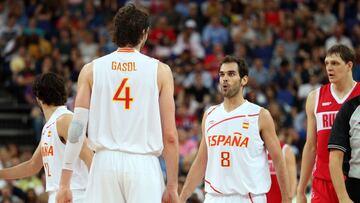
52 151
326 107
274 194
124 108
237 161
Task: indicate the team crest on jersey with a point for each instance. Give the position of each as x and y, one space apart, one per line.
49 133
245 125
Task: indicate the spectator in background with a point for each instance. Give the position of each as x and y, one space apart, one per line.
258 74
88 47
324 19
7 195
306 88
206 77
189 39
215 33
338 37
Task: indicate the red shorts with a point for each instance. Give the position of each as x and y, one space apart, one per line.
323 192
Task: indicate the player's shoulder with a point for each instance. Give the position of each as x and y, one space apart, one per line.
253 105
164 69
62 123
163 66
64 119
312 96
211 109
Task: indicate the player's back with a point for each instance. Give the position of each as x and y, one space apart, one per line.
327 105
124 110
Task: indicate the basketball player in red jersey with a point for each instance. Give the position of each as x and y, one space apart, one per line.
274 194
322 106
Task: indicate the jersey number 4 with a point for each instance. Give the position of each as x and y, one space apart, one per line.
225 159
124 98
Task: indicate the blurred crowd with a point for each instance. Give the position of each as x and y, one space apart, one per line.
283 41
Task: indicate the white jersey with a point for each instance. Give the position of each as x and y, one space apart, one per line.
124 108
52 151
237 160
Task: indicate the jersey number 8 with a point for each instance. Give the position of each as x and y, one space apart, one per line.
225 159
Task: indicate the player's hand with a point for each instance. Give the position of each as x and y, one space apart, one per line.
64 195
170 196
300 197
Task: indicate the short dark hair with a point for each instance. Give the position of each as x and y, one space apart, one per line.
345 53
50 89
241 63
129 25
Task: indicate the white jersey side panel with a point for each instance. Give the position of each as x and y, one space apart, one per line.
237 159
124 109
52 151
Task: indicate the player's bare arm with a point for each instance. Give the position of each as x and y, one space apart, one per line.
272 144
62 125
309 151
197 170
25 169
290 162
170 138
75 142
336 161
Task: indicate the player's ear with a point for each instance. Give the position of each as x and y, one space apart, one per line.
349 65
244 80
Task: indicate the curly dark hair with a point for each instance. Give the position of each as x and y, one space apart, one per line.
50 89
129 26
242 65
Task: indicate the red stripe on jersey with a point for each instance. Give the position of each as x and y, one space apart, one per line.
212 187
250 198
226 119
125 50
50 125
212 110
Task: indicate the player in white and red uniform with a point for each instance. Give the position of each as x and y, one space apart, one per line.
321 108
232 154
126 98
49 90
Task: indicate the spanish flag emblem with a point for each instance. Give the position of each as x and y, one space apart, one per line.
245 125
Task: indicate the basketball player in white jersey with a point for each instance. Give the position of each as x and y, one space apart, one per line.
125 99
50 93
232 154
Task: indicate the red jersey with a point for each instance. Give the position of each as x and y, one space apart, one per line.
327 105
274 194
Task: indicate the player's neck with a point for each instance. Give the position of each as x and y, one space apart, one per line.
48 111
137 47
343 87
233 102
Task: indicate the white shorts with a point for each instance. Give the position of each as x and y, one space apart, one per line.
78 196
210 198
118 177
